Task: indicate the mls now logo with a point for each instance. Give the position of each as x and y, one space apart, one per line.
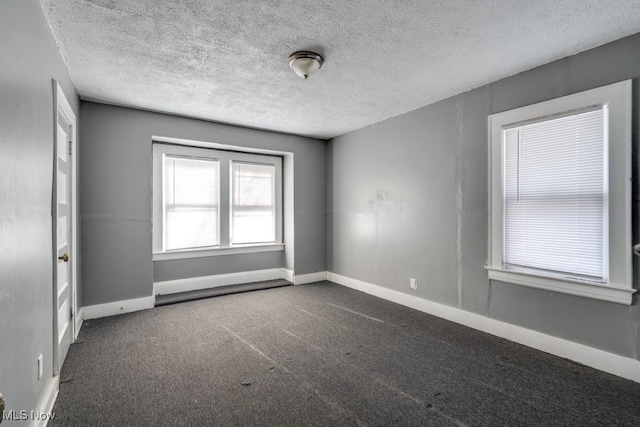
22 415
15 415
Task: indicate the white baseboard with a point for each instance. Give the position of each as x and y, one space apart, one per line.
288 275
608 362
79 319
206 282
310 278
45 408
118 307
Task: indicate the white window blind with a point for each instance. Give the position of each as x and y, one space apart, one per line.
253 207
190 202
555 196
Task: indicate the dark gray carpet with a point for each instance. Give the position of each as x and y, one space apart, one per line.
219 291
321 354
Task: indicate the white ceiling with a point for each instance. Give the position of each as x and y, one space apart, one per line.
227 61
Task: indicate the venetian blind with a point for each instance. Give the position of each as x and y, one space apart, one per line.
555 195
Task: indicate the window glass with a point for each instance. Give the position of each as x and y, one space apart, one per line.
190 202
253 210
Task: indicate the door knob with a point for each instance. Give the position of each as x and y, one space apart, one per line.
64 257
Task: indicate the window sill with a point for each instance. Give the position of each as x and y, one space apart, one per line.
201 253
617 294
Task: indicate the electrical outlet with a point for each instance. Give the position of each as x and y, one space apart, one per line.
413 283
40 367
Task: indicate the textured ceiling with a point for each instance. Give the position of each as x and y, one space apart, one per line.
227 61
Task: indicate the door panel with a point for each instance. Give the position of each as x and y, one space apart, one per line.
63 237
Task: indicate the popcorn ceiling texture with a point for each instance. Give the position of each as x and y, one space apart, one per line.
227 61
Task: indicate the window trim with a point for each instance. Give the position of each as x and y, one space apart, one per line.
225 156
619 288
203 253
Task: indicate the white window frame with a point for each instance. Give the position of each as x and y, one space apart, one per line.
225 157
619 286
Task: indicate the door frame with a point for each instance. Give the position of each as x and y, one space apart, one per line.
61 106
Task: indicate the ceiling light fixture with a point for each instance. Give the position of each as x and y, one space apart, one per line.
305 63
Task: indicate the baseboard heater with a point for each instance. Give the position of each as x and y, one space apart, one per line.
219 291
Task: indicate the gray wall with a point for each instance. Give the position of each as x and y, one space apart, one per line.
30 60
225 264
407 197
116 174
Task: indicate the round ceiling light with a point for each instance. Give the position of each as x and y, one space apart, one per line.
305 63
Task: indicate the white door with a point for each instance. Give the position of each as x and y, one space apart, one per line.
63 230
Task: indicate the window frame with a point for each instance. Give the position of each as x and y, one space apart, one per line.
619 287
225 158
